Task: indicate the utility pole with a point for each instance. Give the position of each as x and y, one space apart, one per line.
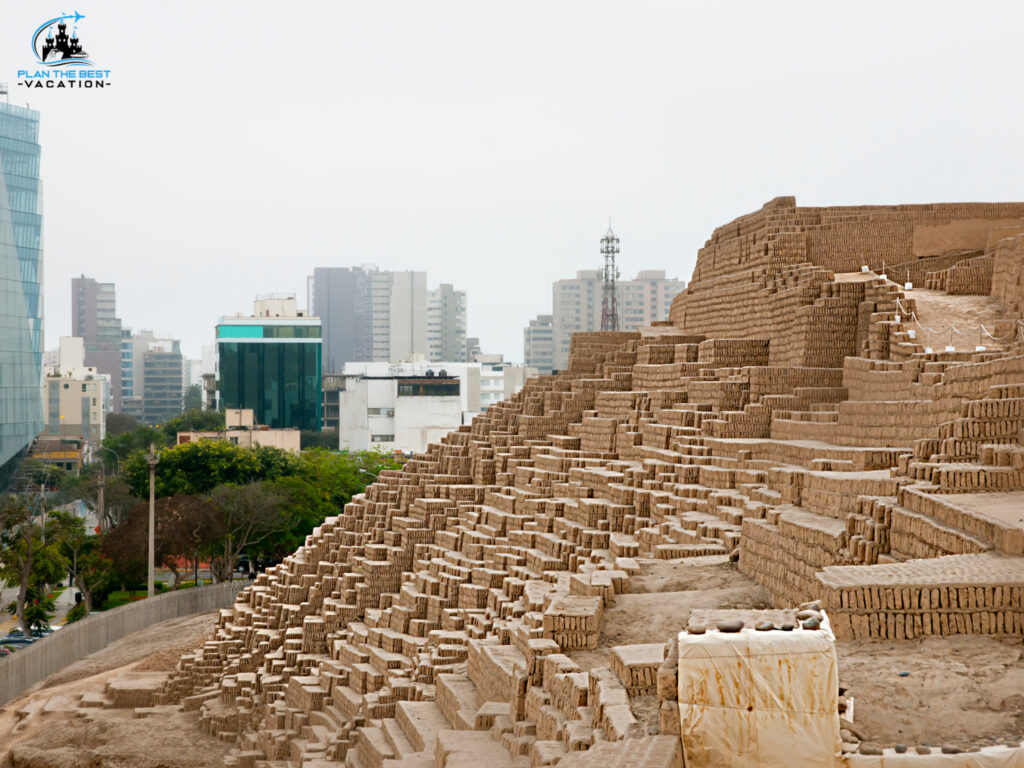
609 276
103 482
152 459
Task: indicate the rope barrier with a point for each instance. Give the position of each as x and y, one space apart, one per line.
910 314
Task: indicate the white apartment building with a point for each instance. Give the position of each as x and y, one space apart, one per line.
577 305
397 412
409 405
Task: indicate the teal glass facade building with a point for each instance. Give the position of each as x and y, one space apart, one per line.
273 366
21 281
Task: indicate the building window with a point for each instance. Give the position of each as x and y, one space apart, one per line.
382 438
380 411
428 388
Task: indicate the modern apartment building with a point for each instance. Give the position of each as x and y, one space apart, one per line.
446 324
21 281
94 319
539 344
148 366
369 315
577 305
163 368
270 362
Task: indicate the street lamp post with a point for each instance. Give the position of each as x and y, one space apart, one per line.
152 459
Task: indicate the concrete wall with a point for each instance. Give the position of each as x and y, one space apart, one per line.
28 666
420 421
352 417
408 316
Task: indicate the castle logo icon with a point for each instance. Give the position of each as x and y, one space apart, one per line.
54 47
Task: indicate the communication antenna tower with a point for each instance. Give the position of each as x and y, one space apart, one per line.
609 276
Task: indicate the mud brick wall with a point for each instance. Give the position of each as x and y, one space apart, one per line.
574 622
834 494
785 553
637 666
780 380
1001 534
733 353
737 277
968 277
958 594
1008 274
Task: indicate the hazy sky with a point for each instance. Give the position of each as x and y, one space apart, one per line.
242 144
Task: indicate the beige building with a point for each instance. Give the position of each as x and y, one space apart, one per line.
577 305
241 429
77 396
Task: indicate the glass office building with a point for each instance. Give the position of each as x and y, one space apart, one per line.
21 281
273 366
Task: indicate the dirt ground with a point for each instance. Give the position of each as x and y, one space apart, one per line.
966 689
44 728
940 311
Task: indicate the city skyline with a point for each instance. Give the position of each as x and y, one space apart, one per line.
392 156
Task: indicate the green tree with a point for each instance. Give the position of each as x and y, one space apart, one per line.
90 569
340 476
39 608
242 517
197 468
193 420
120 423
193 400
124 444
28 559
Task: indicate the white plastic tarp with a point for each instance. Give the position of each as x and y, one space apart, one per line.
761 699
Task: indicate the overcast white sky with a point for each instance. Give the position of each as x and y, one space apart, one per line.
242 144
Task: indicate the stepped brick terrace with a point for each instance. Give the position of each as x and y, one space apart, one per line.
832 416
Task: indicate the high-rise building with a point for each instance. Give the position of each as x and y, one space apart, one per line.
369 315
163 368
21 281
94 318
407 318
446 324
342 298
577 305
270 362
539 344
149 364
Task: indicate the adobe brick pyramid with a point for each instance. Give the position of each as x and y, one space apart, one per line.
800 413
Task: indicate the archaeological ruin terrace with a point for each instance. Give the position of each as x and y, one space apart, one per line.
820 452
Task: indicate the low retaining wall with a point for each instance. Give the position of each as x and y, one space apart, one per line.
28 666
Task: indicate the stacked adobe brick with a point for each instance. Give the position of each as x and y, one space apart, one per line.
437 617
